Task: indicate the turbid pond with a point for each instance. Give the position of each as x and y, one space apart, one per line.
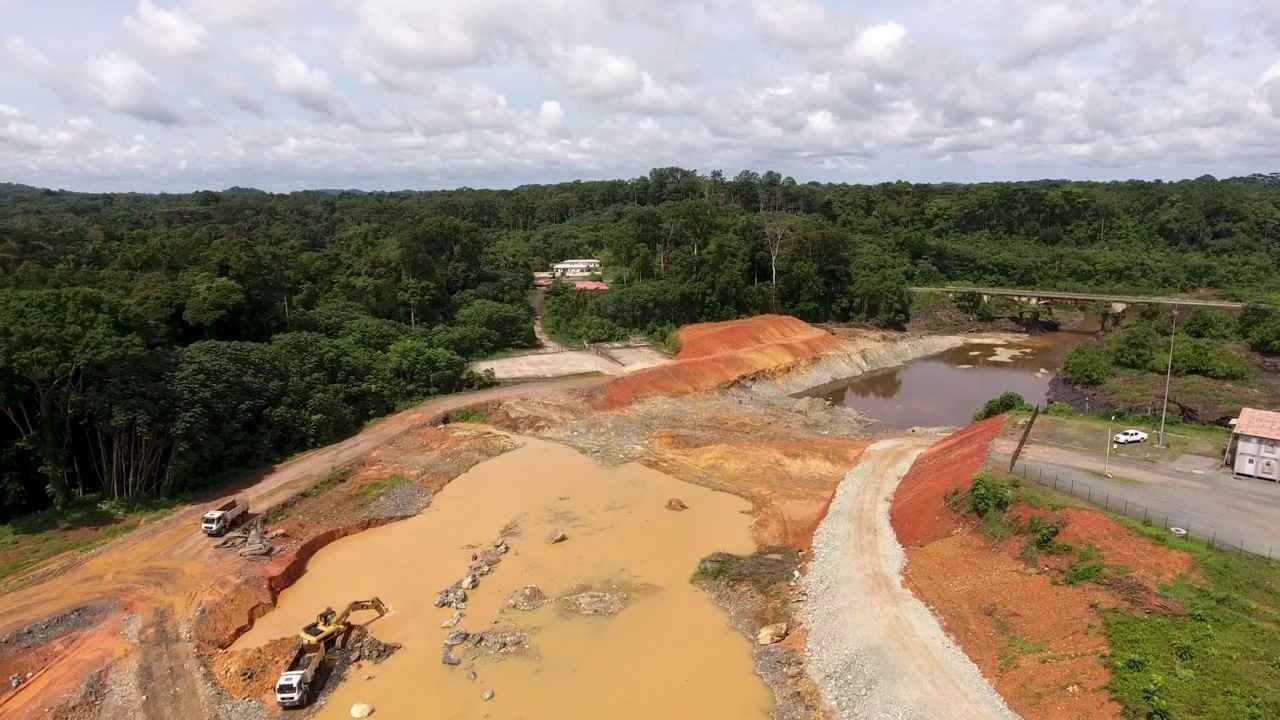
668 653
945 389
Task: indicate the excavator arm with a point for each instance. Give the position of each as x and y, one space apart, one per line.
329 624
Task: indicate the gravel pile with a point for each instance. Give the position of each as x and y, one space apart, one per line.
55 627
870 640
401 500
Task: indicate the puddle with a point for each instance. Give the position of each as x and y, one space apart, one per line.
669 652
945 389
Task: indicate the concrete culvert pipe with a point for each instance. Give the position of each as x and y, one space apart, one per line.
1178 532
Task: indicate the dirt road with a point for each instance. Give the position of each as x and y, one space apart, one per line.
875 650
161 571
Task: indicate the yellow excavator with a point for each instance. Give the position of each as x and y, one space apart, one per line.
330 625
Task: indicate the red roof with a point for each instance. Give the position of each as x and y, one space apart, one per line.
1259 423
590 285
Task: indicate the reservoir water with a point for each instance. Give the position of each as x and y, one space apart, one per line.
945 389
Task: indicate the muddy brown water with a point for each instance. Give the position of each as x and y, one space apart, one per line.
669 653
945 389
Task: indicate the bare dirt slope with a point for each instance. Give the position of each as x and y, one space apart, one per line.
876 651
715 355
161 571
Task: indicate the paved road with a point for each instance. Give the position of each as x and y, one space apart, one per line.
1209 504
876 651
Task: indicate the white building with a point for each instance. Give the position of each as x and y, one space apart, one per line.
1254 449
576 268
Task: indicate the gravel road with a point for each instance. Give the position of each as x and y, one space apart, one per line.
876 651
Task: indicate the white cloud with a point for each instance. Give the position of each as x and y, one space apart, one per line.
309 87
167 32
1160 39
379 93
121 84
879 43
1057 29
798 23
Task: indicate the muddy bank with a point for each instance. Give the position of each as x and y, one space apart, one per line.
849 361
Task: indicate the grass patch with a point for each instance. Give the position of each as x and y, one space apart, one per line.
85 524
378 488
336 476
477 416
1221 659
765 569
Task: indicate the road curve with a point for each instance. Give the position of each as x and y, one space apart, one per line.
876 651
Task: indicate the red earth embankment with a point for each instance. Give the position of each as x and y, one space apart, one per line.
715 355
918 513
1036 635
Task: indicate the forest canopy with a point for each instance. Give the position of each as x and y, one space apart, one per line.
150 344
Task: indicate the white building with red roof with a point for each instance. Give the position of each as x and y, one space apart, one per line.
1254 449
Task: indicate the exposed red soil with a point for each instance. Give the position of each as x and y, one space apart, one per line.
1041 645
789 480
1040 642
918 513
1153 564
251 672
715 355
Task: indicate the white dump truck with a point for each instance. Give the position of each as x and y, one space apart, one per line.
222 518
294 686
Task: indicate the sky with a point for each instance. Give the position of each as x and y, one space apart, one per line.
180 95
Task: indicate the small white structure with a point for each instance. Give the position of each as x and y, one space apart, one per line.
1254 449
576 268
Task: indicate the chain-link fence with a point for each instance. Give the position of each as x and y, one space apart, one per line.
1179 526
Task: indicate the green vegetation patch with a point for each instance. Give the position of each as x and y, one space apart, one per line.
1219 660
765 569
378 488
82 525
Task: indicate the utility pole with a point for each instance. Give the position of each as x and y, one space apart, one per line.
1106 466
1168 373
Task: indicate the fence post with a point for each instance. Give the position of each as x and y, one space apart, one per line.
1144 515
1241 547
1072 491
1166 522
1090 493
1107 504
1126 508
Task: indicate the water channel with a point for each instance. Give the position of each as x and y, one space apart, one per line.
945 389
669 653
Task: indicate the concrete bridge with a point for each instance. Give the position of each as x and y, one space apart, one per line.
1119 303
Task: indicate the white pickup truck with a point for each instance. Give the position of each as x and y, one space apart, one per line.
1125 437
294 685
222 518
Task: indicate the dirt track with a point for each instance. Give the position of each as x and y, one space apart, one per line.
162 571
876 651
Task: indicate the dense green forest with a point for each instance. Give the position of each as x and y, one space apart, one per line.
150 344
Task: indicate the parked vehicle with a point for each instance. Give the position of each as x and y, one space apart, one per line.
1131 435
222 518
293 689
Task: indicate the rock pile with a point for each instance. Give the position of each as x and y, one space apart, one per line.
527 598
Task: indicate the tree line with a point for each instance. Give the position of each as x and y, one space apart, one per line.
151 343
